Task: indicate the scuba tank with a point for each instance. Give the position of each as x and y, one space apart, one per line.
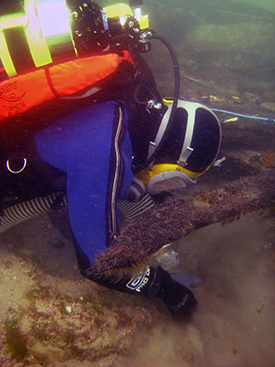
42 32
59 35
52 33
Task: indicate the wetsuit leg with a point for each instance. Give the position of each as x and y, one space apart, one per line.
93 148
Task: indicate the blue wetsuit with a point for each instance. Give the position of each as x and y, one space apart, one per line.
93 148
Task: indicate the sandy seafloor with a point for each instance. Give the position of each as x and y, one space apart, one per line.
51 316
65 320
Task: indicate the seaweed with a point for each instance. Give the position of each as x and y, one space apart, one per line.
37 291
260 309
16 344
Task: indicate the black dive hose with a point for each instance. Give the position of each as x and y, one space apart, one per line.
20 212
176 93
151 35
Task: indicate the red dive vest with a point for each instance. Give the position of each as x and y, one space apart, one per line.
22 92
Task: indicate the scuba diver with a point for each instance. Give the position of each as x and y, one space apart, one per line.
81 116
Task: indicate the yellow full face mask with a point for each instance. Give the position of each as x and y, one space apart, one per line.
189 148
166 177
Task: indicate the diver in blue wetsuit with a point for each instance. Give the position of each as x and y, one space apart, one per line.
118 143
93 147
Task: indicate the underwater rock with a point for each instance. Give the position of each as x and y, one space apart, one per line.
269 106
48 319
268 159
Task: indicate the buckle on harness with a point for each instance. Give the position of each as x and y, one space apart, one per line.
24 163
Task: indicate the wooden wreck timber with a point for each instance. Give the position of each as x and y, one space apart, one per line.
178 217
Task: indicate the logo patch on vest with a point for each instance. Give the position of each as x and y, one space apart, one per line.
8 94
9 89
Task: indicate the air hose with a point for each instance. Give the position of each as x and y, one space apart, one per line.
151 35
176 91
245 116
20 212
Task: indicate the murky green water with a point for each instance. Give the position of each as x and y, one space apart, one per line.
226 52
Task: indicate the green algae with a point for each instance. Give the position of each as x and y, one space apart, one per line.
15 341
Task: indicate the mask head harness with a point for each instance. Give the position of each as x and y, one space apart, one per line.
188 149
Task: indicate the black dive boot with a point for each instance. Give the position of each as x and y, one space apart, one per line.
149 283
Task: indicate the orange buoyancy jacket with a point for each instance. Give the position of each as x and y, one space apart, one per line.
22 92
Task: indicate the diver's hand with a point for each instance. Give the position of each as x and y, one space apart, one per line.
178 298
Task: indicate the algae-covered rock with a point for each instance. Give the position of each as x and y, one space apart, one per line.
47 319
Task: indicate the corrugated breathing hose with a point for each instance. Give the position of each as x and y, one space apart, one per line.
20 212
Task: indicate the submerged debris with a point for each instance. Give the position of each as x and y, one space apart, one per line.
178 217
